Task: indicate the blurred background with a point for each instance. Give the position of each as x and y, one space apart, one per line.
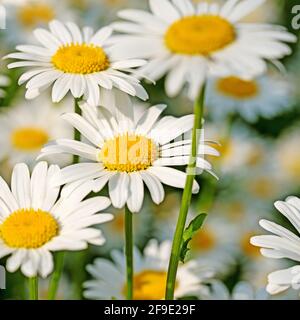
257 124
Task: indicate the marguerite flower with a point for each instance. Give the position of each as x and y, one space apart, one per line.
23 16
243 290
265 96
187 42
27 127
76 61
35 220
282 244
150 274
127 154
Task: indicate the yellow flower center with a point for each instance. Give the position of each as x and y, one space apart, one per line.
80 59
34 14
263 187
204 240
250 250
199 35
149 285
28 229
29 138
118 223
289 158
237 88
128 153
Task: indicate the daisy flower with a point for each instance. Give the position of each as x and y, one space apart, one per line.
78 61
282 244
25 16
149 278
127 154
265 96
35 220
179 38
27 127
242 291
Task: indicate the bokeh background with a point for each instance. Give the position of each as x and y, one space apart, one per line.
259 163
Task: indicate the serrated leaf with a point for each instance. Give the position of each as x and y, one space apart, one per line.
189 233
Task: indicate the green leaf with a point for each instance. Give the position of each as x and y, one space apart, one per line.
189 233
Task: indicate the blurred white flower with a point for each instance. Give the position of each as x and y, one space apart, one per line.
27 127
265 96
150 276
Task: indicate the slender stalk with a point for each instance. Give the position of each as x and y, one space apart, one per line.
59 263
33 288
77 135
186 197
129 253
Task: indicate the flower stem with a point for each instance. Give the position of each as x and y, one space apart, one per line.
59 263
33 288
129 253
186 197
77 135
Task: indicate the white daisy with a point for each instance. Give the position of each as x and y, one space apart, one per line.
78 61
24 16
150 274
127 154
282 244
179 38
27 127
242 291
265 96
34 220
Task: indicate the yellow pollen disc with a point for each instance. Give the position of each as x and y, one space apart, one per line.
149 285
238 88
199 35
29 139
263 187
28 228
118 223
80 59
249 249
204 240
34 14
128 153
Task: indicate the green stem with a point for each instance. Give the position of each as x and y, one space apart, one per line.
59 263
186 197
33 288
77 135
129 253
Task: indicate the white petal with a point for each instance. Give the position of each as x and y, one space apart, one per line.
136 192
118 189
